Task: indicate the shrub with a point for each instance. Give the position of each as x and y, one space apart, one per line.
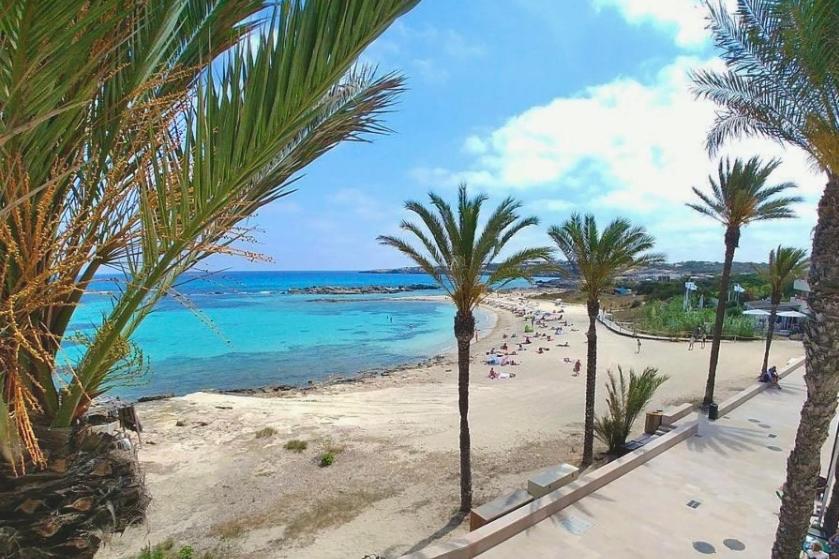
167 550
265 433
327 459
669 318
296 445
626 401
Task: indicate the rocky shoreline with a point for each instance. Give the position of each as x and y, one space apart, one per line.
360 290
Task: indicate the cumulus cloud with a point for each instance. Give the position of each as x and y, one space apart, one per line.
627 146
684 18
638 143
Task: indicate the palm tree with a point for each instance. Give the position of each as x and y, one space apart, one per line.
626 400
782 83
598 259
785 264
457 255
123 150
738 197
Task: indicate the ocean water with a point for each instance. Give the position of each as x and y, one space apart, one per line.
242 330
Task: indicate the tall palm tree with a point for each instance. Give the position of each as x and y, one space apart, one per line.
123 149
598 258
782 83
785 264
738 197
457 254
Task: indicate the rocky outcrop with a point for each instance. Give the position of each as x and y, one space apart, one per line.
360 290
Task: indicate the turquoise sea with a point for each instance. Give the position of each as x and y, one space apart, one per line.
245 331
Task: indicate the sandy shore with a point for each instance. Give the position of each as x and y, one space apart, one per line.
394 484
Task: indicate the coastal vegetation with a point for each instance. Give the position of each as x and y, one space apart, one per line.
782 81
625 400
123 150
739 196
598 258
455 251
669 318
785 265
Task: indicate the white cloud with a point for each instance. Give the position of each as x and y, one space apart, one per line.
625 146
551 205
686 18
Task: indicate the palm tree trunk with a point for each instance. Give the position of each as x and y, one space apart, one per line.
591 382
831 515
732 238
464 330
770 330
821 344
91 488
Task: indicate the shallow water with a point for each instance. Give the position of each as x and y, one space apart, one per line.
259 335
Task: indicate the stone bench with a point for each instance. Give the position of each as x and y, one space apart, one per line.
674 413
498 507
551 479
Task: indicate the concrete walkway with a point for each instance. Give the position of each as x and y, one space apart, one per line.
711 496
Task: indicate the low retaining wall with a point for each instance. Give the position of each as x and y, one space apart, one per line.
490 535
753 390
497 531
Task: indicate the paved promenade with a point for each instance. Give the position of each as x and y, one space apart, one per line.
711 496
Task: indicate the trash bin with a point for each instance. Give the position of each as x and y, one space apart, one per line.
713 412
653 422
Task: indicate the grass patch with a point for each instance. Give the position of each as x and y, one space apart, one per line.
168 549
326 459
330 512
296 445
265 433
323 514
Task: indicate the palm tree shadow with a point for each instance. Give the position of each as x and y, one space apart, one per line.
447 528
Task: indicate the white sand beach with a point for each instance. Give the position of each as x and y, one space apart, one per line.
394 484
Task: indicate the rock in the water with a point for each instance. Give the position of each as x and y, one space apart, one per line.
360 290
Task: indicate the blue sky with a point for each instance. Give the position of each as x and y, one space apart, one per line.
573 105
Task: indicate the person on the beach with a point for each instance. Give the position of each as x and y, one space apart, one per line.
704 336
771 376
492 373
691 342
638 342
577 367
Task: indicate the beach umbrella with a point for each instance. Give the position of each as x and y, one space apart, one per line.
758 312
791 314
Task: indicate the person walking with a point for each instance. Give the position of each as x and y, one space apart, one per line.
638 342
692 341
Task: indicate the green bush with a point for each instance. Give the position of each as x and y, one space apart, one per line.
626 401
168 550
265 433
296 445
669 318
327 459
